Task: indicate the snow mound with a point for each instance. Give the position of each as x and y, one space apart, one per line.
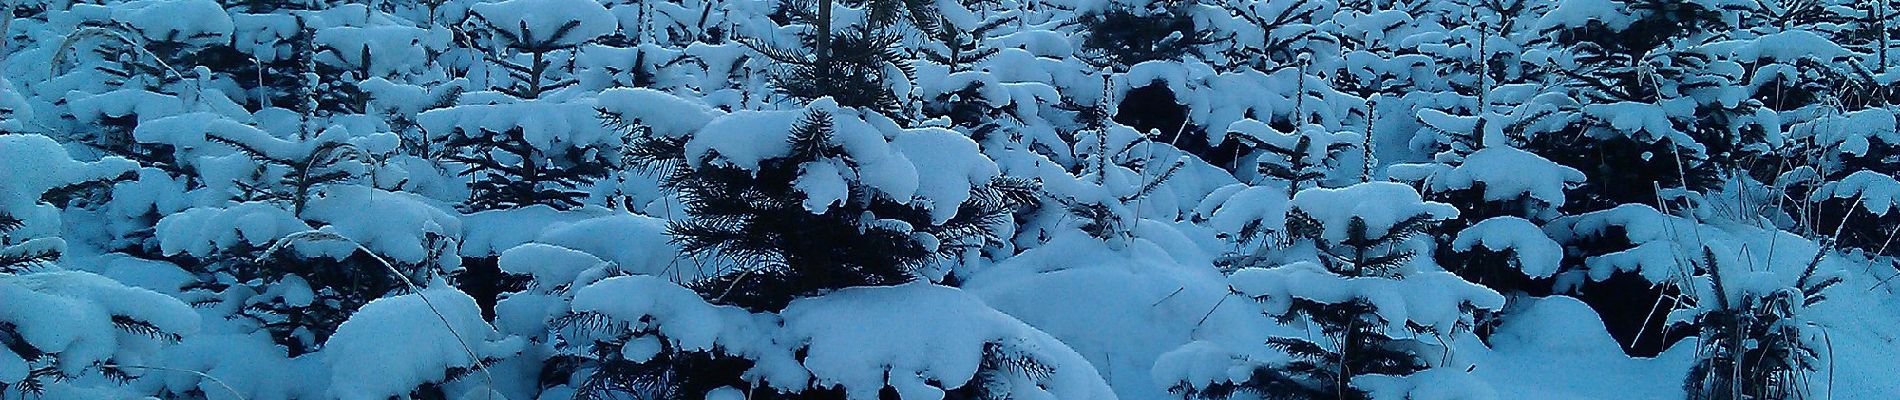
362 354
667 115
51 168
394 224
1537 255
185 21
919 332
919 338
74 315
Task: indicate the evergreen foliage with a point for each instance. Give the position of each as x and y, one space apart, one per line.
509 172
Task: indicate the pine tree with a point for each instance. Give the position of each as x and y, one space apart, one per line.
510 172
1648 70
62 325
755 221
962 47
1310 159
853 65
1122 35
784 251
1354 338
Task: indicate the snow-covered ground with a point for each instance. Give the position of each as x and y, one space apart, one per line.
949 199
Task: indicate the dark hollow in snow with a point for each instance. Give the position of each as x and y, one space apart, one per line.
1153 109
1628 304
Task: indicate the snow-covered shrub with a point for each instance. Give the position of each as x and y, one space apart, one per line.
1842 177
439 334
63 329
1502 194
1308 157
29 226
1163 161
794 204
1619 123
790 196
76 329
1359 286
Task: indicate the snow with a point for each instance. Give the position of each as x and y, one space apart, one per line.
185 21
859 339
1263 205
1380 204
633 243
1432 384
203 231
1786 46
1434 299
550 126
1578 14
389 49
491 232
393 224
1128 296
935 168
1079 290
948 166
1643 122
742 139
1203 362
665 308
548 264
413 327
1878 193
667 115
70 314
1505 172
1852 132
1556 348
1657 238
917 333
251 365
51 167
1537 255
12 367
823 185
